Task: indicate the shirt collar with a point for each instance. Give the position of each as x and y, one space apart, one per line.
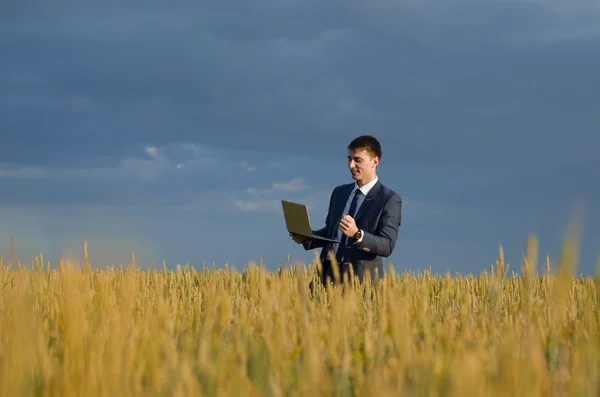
366 187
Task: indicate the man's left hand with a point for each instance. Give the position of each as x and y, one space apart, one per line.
348 226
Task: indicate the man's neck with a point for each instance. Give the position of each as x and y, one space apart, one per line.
364 182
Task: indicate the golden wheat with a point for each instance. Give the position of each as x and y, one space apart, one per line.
127 332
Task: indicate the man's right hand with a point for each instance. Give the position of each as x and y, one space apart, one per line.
299 239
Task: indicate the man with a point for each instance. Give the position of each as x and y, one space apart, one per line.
364 216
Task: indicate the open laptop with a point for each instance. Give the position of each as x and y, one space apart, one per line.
298 222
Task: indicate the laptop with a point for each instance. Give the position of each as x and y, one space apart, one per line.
298 222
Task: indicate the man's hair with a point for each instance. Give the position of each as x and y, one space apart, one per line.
368 143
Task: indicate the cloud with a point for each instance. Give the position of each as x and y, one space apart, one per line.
24 172
256 199
435 71
158 163
152 152
247 167
168 175
438 83
291 186
256 205
128 168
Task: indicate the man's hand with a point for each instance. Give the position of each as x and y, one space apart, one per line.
299 239
348 226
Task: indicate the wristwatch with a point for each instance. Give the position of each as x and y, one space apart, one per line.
357 235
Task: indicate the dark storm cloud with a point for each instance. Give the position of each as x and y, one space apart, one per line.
463 84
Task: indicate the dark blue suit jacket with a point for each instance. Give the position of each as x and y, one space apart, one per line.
379 217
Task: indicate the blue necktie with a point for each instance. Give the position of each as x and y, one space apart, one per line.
344 240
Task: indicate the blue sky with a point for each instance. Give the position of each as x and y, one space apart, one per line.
173 129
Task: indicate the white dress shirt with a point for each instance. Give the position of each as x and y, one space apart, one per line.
364 190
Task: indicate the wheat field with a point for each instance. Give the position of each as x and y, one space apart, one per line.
121 331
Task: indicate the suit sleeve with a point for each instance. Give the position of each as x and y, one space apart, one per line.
312 244
382 243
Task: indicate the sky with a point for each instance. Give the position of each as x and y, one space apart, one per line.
173 129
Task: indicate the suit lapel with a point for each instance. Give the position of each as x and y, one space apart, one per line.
368 200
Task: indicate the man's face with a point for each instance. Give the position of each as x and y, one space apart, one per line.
361 164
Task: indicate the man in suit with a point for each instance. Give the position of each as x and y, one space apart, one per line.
364 216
